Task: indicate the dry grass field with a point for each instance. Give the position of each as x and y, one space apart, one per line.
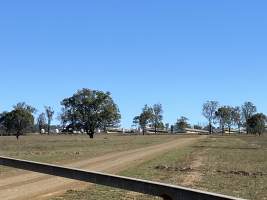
66 149
232 165
107 153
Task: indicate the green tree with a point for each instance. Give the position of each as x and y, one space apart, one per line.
69 115
230 117
182 123
49 114
222 114
19 119
225 115
237 117
144 118
248 109
209 112
157 117
111 115
41 122
89 110
256 124
6 122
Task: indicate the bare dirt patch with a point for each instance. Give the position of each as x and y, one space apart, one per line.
193 174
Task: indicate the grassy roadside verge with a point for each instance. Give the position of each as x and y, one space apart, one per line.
229 165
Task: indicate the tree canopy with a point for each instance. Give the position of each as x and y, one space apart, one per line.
19 119
256 124
150 116
209 112
41 122
225 115
248 110
157 117
49 114
182 123
144 118
89 110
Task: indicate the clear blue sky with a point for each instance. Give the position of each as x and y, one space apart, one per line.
178 53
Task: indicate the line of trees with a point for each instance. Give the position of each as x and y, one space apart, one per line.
21 119
88 110
151 116
44 120
245 116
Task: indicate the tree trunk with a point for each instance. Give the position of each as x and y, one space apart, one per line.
105 129
210 126
17 135
247 128
229 129
48 126
155 129
91 132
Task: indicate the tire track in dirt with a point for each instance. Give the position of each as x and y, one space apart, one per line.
195 175
38 186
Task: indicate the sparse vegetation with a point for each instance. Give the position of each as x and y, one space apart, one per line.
235 166
70 148
232 165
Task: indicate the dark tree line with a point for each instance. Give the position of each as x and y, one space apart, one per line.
86 109
21 120
245 116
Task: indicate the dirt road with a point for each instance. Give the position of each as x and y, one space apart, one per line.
37 186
